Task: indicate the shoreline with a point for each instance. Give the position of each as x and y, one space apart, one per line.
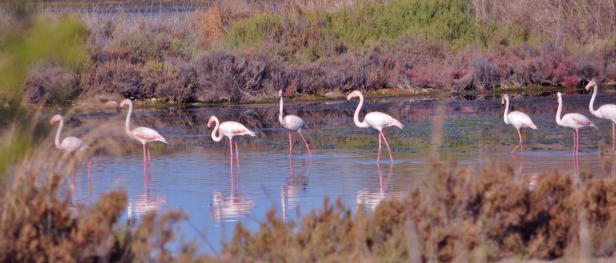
421 95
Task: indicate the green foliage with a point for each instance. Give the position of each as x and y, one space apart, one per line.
311 35
371 23
253 30
61 41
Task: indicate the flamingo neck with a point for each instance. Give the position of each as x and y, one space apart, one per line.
356 115
506 110
280 117
57 141
127 124
591 106
559 111
214 137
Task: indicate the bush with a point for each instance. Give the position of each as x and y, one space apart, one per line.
52 84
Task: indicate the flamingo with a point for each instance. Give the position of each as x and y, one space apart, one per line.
518 120
376 120
144 135
292 123
575 121
70 144
229 129
607 111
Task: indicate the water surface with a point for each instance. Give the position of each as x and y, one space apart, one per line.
194 174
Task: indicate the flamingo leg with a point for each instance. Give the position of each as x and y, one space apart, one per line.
305 142
521 142
518 145
90 179
391 158
149 155
577 140
290 145
231 150
378 157
613 136
145 173
574 141
72 185
237 156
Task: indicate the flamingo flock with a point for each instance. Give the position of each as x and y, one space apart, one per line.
375 120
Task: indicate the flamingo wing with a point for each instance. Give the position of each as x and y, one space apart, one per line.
379 120
519 119
71 143
294 123
147 135
577 119
232 128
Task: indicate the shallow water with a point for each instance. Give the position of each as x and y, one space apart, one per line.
193 173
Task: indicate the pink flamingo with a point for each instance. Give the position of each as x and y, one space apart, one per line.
228 129
376 120
292 123
144 135
70 144
518 120
607 111
572 120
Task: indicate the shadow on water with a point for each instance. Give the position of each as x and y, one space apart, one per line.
195 174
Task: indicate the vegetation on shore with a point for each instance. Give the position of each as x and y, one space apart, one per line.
244 51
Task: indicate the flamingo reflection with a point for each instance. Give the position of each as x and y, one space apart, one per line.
289 192
233 207
147 202
370 199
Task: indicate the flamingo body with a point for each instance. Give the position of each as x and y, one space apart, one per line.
575 121
607 111
230 129
146 135
69 143
292 123
379 120
519 120
376 120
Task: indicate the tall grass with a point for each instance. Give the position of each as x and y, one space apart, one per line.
357 27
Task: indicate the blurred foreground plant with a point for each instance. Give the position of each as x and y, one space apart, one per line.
24 43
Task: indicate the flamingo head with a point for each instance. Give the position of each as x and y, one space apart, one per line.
560 96
124 103
353 94
505 97
55 119
590 84
210 121
281 93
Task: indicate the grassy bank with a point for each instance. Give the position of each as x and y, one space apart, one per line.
244 51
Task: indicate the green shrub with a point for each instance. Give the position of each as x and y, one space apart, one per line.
372 23
252 30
